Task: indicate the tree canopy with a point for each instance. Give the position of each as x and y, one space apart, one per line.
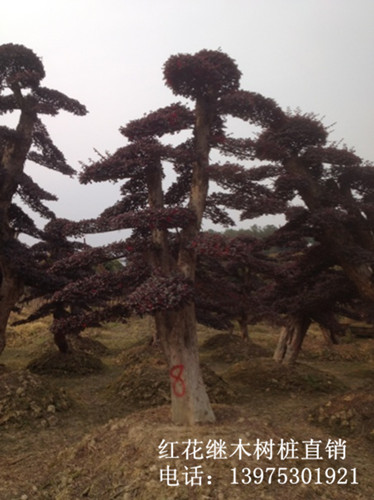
316 266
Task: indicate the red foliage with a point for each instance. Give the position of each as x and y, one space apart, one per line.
293 136
252 107
163 121
126 162
21 72
75 323
19 65
51 101
161 293
294 271
205 73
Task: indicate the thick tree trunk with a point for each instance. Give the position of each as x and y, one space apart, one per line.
331 329
12 162
177 330
60 337
189 400
328 335
290 339
61 342
10 291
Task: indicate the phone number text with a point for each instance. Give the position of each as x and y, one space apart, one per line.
293 475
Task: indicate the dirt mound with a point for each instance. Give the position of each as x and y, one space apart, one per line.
82 458
26 398
86 344
122 460
77 343
231 348
267 375
145 382
55 363
361 350
138 353
348 414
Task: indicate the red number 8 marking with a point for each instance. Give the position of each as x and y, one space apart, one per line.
178 385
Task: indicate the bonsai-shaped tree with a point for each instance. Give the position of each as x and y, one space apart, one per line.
21 72
329 193
166 222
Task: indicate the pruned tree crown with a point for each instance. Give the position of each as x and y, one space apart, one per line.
19 65
201 74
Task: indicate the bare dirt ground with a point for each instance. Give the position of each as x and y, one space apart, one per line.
96 433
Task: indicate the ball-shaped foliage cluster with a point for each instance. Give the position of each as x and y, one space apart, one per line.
295 136
19 65
207 72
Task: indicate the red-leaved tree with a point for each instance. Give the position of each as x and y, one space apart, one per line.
22 94
326 248
166 221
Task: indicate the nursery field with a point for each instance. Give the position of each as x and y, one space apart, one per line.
96 424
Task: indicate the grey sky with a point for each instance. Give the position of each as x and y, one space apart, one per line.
312 54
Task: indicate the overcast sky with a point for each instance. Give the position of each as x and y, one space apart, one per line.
313 54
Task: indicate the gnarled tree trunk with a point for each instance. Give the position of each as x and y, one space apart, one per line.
10 291
331 329
176 330
11 167
291 338
189 400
